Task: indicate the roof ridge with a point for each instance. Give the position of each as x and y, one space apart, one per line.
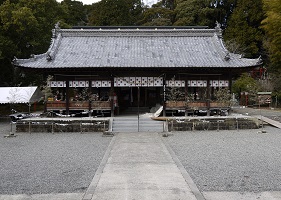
137 32
140 27
51 53
218 42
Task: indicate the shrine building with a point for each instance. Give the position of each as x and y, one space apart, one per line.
110 69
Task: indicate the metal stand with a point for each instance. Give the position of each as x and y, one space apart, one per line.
262 130
11 134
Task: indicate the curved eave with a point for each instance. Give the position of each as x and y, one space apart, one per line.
40 62
133 68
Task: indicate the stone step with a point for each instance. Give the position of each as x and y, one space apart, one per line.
116 130
136 122
130 124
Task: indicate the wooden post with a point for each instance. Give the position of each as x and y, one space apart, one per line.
186 97
164 97
138 109
230 82
208 97
90 100
112 96
67 98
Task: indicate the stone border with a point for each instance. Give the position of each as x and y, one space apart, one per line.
186 176
92 187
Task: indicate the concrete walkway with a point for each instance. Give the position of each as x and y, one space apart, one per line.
269 121
140 166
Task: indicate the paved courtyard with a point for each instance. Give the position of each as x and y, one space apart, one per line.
238 164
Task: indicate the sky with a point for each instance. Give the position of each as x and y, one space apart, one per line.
150 2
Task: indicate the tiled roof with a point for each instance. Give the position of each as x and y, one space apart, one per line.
134 48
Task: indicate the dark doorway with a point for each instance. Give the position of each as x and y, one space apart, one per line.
128 97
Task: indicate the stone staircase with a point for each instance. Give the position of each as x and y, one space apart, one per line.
131 124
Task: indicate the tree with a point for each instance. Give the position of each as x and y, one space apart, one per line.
115 12
245 83
243 27
47 13
195 12
224 8
15 23
223 97
175 94
169 4
272 26
25 29
158 14
7 48
75 13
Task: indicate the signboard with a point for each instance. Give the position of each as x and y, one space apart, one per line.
264 98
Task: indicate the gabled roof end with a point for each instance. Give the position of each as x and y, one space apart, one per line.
56 30
218 29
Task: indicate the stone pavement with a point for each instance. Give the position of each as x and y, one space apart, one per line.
269 115
143 166
140 166
265 112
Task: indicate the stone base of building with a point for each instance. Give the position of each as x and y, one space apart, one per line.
62 125
201 124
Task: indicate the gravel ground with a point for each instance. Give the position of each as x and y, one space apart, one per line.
274 114
243 160
44 163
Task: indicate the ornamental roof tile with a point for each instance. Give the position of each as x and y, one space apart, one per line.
136 48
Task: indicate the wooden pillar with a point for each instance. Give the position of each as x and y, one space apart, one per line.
67 98
230 83
230 88
112 96
164 96
208 96
145 96
90 100
186 97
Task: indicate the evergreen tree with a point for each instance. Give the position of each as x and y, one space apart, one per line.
224 8
160 14
169 4
272 27
25 29
75 13
115 12
243 29
195 12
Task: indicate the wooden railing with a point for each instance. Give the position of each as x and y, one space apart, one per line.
56 105
100 105
78 105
